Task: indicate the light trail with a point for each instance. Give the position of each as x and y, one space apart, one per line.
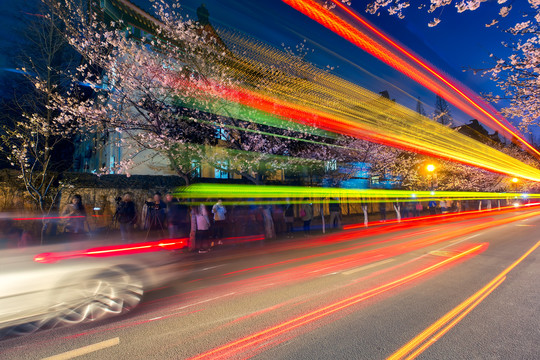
241 345
446 217
454 316
433 79
332 104
278 194
114 250
475 222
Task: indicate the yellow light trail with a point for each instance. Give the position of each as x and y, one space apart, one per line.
299 92
454 316
273 192
418 70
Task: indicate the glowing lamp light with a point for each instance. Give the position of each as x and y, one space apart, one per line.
430 168
515 180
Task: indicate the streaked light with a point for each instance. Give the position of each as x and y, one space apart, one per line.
114 250
233 348
384 48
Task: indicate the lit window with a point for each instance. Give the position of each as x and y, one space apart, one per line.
331 165
220 171
196 168
222 134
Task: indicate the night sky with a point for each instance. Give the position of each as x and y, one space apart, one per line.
460 41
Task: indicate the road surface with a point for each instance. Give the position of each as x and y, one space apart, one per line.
463 287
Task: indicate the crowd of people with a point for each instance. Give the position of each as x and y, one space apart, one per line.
207 224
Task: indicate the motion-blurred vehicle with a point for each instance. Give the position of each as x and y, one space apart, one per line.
74 282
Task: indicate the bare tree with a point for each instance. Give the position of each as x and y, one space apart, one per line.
34 140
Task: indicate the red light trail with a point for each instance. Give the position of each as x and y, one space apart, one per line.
235 348
439 84
114 250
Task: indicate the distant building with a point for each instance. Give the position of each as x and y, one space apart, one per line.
477 132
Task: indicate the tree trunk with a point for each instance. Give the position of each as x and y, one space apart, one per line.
364 209
398 213
322 217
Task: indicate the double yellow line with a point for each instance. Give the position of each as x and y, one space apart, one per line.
427 337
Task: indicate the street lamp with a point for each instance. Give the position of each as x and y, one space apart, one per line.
515 181
431 168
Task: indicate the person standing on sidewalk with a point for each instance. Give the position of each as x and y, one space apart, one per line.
219 212
306 213
432 205
75 214
382 210
126 215
177 218
269 229
203 228
289 219
335 213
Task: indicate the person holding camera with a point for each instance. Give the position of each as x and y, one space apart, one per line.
126 215
157 212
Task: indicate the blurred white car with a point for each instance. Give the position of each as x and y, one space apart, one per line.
83 281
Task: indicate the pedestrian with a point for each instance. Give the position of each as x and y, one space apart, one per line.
419 208
278 215
443 206
289 219
432 205
219 212
306 213
178 222
404 209
157 212
382 210
335 213
126 215
75 214
269 229
202 233
414 208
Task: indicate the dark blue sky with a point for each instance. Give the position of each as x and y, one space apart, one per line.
459 42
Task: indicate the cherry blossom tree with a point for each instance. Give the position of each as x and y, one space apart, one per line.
162 91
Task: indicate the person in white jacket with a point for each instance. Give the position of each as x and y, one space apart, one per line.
203 228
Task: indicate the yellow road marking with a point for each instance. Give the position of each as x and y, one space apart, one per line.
416 346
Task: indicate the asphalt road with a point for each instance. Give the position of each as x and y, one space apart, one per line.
454 288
